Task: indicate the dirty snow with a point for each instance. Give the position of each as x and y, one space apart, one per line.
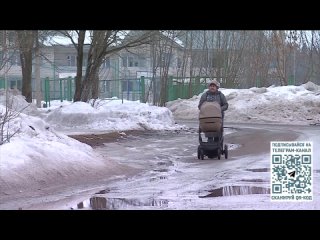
287 104
110 115
39 149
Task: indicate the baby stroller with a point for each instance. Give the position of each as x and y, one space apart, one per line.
211 124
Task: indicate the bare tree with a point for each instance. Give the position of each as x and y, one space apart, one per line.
311 49
26 41
216 54
79 35
163 46
6 116
252 58
103 43
37 70
181 71
154 66
8 49
308 46
256 60
280 52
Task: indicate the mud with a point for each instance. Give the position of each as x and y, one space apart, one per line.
95 140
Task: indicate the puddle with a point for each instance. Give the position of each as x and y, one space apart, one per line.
236 190
259 170
103 203
161 170
80 205
253 180
161 178
168 163
103 191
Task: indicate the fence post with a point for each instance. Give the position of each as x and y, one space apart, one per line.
198 86
257 82
170 94
121 96
47 91
2 83
128 89
290 80
69 89
142 87
61 89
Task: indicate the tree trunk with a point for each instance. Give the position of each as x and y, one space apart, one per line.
279 39
26 65
90 88
26 41
37 71
78 79
85 90
95 85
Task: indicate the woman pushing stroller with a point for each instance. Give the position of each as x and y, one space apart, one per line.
213 94
212 105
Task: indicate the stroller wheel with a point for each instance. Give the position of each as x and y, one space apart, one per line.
219 153
226 151
201 154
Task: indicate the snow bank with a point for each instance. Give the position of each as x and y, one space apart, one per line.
112 116
287 104
17 102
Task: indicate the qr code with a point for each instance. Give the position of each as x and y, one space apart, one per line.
291 174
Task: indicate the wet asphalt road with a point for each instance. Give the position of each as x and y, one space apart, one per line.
170 176
173 177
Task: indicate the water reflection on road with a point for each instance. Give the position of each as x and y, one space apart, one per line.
175 179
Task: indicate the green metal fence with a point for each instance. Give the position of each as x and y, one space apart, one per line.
130 89
2 83
185 88
58 89
133 89
63 89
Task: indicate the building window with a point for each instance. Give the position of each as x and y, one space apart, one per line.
179 62
13 60
132 61
106 63
124 62
18 59
71 60
142 61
